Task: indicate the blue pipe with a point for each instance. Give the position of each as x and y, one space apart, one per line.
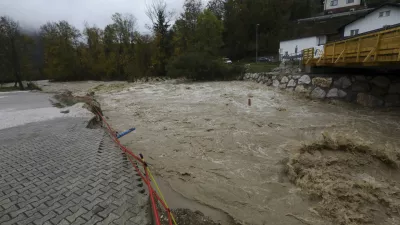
120 135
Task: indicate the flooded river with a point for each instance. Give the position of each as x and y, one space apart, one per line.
211 147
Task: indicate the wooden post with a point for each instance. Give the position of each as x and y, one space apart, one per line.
344 51
377 47
369 55
398 57
358 49
322 56
333 54
337 60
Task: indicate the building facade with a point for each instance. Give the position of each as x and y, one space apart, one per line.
315 32
336 6
386 15
290 49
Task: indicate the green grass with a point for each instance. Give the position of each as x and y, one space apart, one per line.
6 89
29 87
259 67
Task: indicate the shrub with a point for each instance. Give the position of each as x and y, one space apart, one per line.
33 86
200 66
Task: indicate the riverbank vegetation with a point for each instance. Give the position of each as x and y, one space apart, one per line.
192 43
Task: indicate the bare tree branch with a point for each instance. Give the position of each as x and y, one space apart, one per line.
158 8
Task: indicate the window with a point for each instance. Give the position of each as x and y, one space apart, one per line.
321 40
349 1
354 32
334 2
384 13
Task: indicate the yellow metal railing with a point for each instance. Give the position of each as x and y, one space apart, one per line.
370 49
308 55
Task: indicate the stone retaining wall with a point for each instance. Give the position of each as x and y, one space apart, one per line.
371 91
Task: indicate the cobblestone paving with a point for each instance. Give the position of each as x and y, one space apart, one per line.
60 172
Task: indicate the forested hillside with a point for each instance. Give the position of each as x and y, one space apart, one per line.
198 37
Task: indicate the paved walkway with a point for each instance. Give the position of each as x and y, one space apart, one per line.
60 172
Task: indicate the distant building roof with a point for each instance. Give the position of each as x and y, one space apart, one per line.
330 16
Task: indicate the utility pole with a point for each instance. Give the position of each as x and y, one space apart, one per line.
257 42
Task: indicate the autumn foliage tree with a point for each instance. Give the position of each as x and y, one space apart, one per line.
14 49
195 40
160 19
61 41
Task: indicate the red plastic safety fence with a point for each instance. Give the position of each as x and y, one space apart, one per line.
154 198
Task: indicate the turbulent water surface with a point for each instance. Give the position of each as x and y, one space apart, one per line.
211 146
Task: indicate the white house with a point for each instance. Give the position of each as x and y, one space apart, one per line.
334 6
385 15
350 18
314 33
293 48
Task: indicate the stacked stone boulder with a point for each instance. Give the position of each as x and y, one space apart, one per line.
371 91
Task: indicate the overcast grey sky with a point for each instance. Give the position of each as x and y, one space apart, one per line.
33 13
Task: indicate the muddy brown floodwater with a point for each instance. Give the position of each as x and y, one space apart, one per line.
207 145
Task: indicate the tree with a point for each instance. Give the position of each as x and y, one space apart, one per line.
236 34
240 22
217 7
92 55
192 10
143 56
33 53
61 41
208 33
118 51
12 41
160 18
124 28
304 8
185 27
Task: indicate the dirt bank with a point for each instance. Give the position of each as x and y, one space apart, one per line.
213 148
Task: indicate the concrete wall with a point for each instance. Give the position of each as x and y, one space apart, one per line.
301 43
341 4
370 91
373 21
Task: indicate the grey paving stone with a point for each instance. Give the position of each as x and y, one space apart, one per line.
30 219
44 219
5 218
62 216
14 220
60 172
74 216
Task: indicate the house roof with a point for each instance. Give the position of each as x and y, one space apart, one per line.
374 10
318 26
330 16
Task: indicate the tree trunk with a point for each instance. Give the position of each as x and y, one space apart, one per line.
16 64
